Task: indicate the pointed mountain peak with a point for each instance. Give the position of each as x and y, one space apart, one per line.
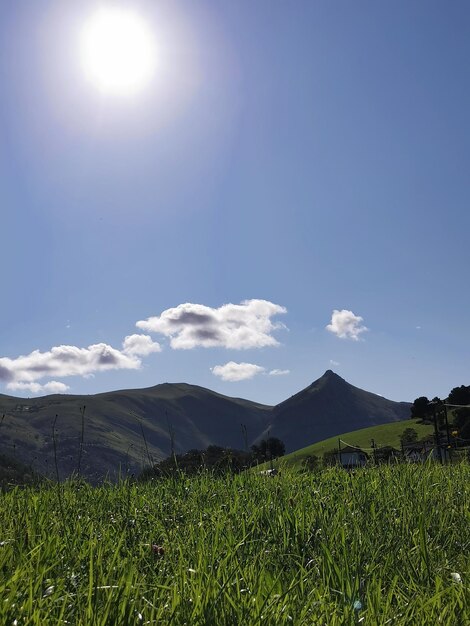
329 376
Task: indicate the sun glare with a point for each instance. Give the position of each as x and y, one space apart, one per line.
117 51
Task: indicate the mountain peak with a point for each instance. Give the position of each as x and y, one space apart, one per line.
329 376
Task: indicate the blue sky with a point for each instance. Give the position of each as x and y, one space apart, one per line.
289 159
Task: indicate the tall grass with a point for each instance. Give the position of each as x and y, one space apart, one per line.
381 546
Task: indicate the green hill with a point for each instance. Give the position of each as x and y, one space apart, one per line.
383 435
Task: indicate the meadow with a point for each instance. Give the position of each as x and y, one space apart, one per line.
382 435
380 546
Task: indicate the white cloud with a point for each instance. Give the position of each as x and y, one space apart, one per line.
278 372
234 372
140 345
334 363
233 326
36 388
346 325
62 361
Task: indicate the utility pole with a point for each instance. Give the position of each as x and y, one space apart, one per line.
449 447
373 446
436 432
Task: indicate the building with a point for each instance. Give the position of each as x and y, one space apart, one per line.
351 457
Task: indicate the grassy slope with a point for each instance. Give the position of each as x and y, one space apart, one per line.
375 547
384 435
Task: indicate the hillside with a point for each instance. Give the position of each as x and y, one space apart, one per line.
127 429
122 429
328 407
383 435
13 472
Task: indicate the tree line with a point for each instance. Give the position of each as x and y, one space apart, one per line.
458 398
216 459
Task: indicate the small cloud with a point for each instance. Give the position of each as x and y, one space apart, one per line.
233 326
334 363
278 372
418 327
140 345
345 325
234 372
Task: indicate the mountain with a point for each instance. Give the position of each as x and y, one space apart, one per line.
124 430
330 406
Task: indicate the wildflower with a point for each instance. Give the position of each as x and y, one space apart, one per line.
357 606
456 577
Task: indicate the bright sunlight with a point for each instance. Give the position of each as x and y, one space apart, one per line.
117 51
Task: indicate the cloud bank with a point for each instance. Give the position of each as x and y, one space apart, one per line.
23 372
36 388
233 326
346 325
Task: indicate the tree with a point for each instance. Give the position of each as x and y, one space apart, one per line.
459 395
268 449
215 459
420 407
409 435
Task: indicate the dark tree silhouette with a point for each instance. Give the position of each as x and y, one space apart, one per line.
459 395
420 407
268 449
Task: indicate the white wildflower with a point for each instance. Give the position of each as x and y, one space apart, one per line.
456 577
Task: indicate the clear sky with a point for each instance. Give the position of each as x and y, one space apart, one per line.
287 169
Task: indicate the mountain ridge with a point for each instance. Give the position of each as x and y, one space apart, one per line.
129 428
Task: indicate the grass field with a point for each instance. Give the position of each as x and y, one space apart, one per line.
386 545
383 435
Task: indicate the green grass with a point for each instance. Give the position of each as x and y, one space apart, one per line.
375 547
383 435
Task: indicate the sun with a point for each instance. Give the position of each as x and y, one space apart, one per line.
117 51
